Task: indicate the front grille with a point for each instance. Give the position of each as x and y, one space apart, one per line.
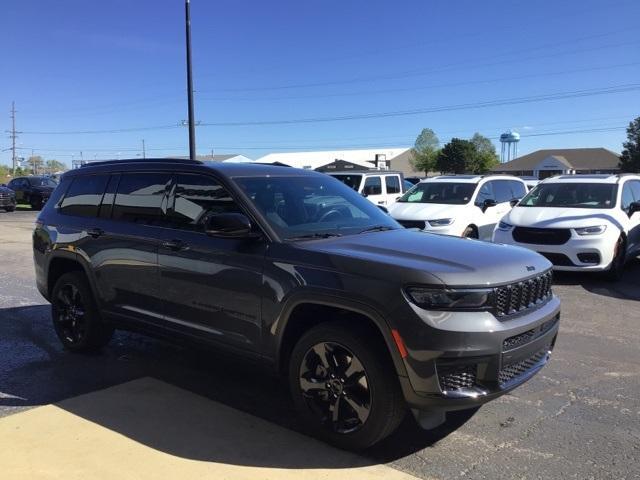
455 377
412 224
515 298
5 195
528 336
515 370
541 236
558 259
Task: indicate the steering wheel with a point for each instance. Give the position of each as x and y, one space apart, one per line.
326 215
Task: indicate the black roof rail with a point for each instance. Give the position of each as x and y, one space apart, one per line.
144 160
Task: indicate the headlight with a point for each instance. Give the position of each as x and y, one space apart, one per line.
595 230
450 299
441 222
504 226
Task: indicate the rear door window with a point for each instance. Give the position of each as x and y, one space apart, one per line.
142 198
393 183
84 195
372 186
109 196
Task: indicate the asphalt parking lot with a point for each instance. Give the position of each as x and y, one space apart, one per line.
579 418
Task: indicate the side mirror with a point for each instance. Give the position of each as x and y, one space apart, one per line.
514 202
489 202
228 225
633 208
365 193
383 208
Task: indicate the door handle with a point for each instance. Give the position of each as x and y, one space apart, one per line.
95 232
174 245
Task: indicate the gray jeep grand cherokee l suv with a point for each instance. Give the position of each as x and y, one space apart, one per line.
368 320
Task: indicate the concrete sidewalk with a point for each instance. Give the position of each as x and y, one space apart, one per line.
150 429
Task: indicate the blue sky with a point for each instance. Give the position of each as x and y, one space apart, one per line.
261 67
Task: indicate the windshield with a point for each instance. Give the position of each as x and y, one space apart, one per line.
307 206
571 195
42 182
351 181
440 192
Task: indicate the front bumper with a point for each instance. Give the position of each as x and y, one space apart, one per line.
598 250
472 368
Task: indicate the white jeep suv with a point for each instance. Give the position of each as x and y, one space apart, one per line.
579 222
461 205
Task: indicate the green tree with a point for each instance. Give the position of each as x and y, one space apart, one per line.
457 156
54 166
425 152
630 158
486 156
35 162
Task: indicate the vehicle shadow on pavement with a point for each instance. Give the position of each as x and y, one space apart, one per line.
35 370
627 288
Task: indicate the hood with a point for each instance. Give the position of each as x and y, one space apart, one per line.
414 256
424 211
557 217
6 190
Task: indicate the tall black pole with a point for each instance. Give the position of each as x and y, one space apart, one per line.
192 131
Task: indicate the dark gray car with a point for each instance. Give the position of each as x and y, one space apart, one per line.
368 320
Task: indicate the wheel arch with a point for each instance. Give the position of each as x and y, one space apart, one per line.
301 314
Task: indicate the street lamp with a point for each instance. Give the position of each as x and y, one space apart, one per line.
192 131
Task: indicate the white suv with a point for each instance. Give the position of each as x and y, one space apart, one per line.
579 222
461 205
381 187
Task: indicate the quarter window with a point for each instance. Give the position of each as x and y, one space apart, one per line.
198 197
84 195
142 198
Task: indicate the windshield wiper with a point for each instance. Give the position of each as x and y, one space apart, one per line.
314 235
377 228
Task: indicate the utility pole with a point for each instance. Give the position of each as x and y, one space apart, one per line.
13 135
192 130
144 151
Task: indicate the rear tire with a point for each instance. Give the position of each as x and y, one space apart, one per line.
345 387
619 259
470 232
76 319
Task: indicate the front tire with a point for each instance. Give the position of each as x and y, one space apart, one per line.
619 259
76 319
344 386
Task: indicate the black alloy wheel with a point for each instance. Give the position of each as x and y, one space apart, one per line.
344 385
70 314
335 387
76 320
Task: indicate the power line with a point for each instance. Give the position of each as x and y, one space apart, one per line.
374 115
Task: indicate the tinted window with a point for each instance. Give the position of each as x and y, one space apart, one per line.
449 193
372 186
109 195
197 197
571 195
502 191
141 198
393 183
627 196
518 189
42 182
84 195
485 193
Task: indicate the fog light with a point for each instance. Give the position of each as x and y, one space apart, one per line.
589 258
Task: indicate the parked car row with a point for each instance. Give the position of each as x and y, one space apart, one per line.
578 222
